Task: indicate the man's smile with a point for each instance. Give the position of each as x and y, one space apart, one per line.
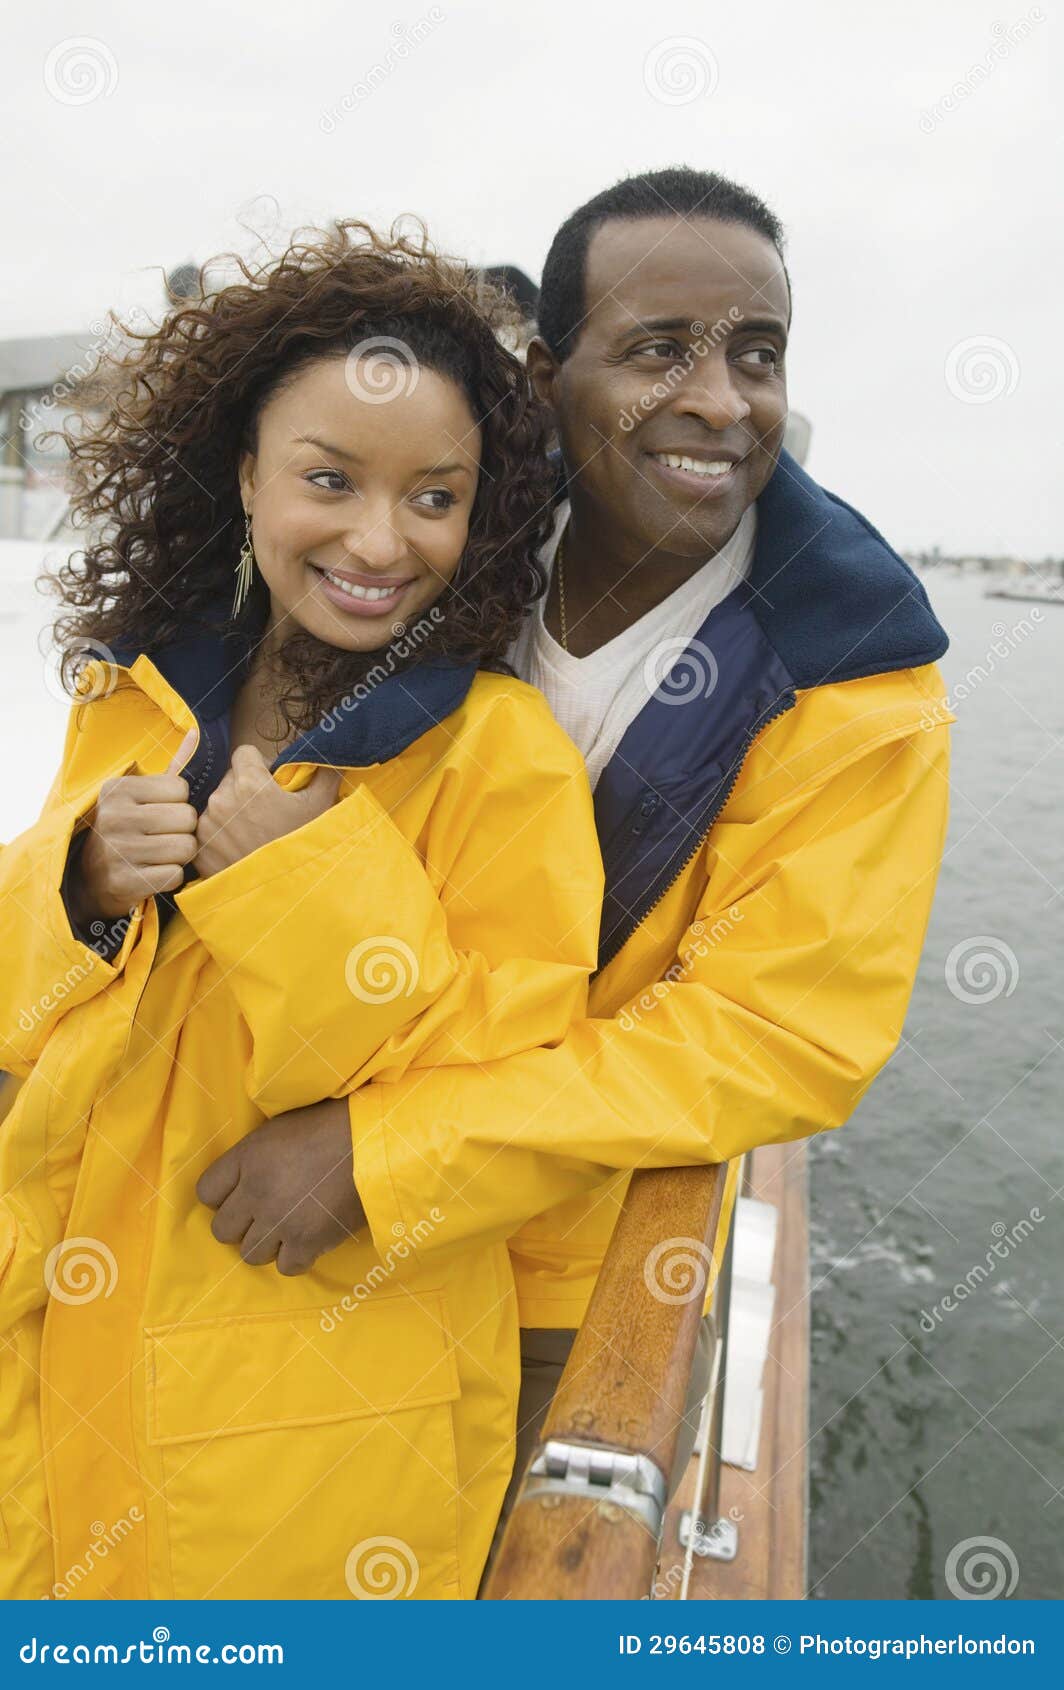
708 475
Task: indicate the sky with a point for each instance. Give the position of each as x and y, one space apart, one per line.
910 152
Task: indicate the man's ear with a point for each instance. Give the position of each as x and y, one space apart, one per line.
543 370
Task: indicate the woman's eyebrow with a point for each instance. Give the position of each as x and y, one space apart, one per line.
353 457
327 446
444 469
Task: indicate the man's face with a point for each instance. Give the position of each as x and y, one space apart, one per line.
671 405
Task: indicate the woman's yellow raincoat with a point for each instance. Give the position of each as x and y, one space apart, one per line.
173 1421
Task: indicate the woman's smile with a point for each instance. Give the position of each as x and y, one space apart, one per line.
359 595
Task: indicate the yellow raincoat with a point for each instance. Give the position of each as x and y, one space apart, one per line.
173 1421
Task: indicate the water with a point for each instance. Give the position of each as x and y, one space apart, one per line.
932 1426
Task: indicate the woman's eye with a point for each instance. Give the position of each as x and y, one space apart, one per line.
441 499
765 357
330 479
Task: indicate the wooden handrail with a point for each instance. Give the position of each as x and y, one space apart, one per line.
619 1404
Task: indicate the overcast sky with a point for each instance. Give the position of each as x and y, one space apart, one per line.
911 152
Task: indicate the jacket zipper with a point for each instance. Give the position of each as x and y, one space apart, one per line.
781 704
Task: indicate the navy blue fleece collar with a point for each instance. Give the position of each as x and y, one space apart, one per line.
375 721
834 599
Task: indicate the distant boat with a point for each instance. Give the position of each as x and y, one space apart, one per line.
1045 595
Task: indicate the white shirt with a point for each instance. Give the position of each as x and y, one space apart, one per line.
594 698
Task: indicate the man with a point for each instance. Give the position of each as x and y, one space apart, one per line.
749 671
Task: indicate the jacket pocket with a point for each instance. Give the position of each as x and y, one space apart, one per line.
307 1459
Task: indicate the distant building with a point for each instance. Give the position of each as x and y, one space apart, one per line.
39 379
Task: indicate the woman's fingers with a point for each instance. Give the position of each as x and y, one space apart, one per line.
155 789
167 818
155 850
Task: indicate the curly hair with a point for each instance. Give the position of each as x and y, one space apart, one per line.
155 472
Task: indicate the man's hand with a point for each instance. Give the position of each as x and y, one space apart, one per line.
248 809
287 1190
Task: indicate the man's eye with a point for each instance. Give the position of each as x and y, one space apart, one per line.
442 499
765 357
330 479
658 349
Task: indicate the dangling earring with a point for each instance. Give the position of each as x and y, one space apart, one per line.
245 568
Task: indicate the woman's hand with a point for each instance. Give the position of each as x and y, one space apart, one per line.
140 839
248 809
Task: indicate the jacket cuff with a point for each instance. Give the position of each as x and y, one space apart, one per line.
103 937
110 940
336 828
373 1180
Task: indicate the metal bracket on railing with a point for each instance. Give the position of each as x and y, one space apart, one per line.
632 1482
719 1543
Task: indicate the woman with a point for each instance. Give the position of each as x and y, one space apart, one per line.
303 833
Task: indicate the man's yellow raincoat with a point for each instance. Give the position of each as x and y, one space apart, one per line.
772 824
173 1421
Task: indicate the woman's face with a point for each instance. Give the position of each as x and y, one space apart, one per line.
360 504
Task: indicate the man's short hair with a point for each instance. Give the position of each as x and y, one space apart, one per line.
679 192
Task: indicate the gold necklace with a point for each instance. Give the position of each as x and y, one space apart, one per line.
560 560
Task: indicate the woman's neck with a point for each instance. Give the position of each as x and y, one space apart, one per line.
255 718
